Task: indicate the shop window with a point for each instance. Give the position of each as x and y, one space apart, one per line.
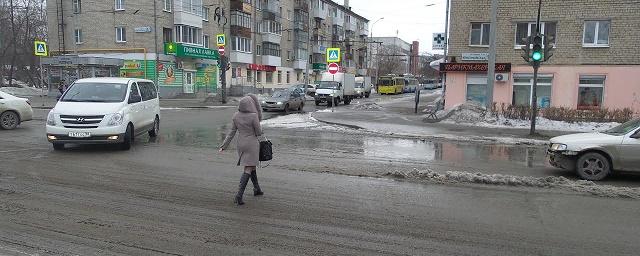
477 88
259 76
523 90
269 77
279 77
287 76
249 75
591 92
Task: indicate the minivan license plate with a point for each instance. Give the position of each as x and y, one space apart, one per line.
79 134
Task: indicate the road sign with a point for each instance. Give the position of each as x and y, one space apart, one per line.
333 55
221 40
438 41
221 50
40 48
333 68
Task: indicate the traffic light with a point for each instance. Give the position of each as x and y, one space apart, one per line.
537 54
526 49
548 47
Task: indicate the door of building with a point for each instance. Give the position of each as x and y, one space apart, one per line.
189 82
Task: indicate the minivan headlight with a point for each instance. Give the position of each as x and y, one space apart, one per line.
116 119
51 119
558 147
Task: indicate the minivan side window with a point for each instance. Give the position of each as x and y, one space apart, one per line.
152 89
133 91
147 90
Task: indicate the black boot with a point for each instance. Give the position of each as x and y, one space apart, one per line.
256 187
243 184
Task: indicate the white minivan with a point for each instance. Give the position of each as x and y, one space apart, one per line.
104 110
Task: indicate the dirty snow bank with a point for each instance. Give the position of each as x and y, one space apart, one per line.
475 115
367 106
306 121
581 186
22 91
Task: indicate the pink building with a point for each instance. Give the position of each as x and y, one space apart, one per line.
595 64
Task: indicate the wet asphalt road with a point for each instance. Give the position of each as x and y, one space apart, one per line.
173 196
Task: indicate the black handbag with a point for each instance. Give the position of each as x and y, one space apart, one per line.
266 151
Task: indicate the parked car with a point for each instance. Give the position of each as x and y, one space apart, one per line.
429 86
310 88
104 110
595 155
13 111
284 100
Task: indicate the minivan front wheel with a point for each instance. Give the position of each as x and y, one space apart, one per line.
128 138
156 128
593 166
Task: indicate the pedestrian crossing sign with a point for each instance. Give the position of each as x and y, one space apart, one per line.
333 55
221 40
40 48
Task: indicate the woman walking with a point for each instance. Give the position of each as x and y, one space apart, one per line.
246 122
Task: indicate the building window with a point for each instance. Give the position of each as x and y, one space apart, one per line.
279 77
168 4
477 88
289 55
526 29
480 34
167 35
258 76
188 34
269 77
119 5
596 33
249 76
271 49
191 6
287 77
77 6
241 44
523 90
240 19
591 92
205 13
121 34
258 50
205 41
289 35
78 36
272 27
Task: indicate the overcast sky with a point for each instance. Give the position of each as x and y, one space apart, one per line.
411 18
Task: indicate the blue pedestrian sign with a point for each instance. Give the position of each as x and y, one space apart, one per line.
221 40
333 55
40 48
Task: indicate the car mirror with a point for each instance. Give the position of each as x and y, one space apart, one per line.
636 135
135 99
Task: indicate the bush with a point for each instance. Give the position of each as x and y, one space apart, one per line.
603 115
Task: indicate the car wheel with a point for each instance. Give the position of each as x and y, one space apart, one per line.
330 103
286 109
9 120
128 138
336 101
593 166
317 103
156 128
58 146
301 106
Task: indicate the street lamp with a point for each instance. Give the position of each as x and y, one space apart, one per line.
371 38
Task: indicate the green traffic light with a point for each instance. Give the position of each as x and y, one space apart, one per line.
536 56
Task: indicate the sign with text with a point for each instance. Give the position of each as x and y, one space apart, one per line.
261 67
333 55
482 56
180 50
473 67
439 41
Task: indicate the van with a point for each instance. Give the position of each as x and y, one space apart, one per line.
104 111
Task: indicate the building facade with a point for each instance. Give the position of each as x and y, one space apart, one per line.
595 63
392 55
270 43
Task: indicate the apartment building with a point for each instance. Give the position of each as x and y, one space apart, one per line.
401 54
120 38
269 43
595 65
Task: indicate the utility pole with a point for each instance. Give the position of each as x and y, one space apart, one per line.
443 76
155 41
491 71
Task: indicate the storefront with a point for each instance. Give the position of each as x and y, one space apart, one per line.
192 70
65 69
575 87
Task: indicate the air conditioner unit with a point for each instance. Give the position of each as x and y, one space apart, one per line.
502 77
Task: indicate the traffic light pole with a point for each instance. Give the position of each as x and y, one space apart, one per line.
223 78
534 91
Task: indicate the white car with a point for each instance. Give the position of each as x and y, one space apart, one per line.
104 110
13 111
595 155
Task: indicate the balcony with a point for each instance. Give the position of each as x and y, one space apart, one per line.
318 12
273 6
363 31
338 20
300 64
301 5
240 57
272 38
349 27
271 60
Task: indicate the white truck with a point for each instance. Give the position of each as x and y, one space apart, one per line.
334 89
363 86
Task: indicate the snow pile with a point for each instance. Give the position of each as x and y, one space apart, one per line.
476 115
292 121
367 106
581 186
22 91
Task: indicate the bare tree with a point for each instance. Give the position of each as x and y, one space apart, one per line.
424 66
390 60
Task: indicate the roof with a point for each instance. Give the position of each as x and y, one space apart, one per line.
111 80
347 10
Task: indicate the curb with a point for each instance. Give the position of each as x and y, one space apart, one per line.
339 124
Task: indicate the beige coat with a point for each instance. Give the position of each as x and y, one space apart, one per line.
246 123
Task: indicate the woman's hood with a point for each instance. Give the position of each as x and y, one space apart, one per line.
247 105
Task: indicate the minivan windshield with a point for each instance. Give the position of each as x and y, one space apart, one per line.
328 85
96 92
359 85
624 128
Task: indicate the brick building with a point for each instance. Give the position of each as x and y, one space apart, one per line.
596 63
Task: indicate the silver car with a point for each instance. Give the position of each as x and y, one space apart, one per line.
284 100
595 155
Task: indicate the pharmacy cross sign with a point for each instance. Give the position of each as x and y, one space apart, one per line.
438 41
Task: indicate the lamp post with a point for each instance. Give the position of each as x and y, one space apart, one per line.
370 50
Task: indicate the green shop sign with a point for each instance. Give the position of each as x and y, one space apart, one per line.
319 66
181 50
